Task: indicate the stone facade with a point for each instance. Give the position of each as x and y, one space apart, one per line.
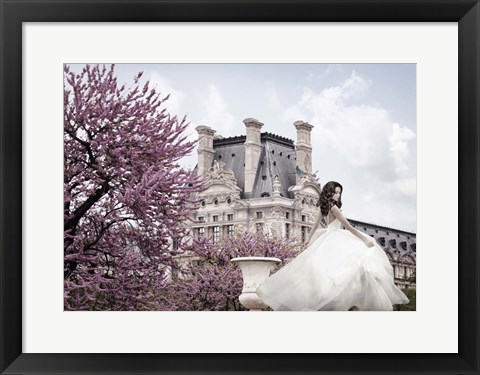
262 182
400 247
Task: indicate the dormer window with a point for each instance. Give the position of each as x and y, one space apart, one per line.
259 215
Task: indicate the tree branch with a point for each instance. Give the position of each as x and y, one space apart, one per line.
81 210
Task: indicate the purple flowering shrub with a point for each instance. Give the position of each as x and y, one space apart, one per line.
211 281
124 192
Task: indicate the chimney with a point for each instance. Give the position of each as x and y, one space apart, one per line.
304 146
253 147
205 149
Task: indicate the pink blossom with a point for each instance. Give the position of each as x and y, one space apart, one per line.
124 192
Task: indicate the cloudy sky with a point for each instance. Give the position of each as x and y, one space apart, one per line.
364 118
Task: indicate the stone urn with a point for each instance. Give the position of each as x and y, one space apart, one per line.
255 270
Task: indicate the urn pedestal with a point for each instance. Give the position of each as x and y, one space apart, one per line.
255 270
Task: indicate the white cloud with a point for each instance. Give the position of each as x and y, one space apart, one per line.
384 211
361 134
272 96
300 110
399 145
406 186
217 114
331 68
165 87
359 144
355 86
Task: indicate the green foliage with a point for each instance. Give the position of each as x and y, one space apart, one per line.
413 278
412 305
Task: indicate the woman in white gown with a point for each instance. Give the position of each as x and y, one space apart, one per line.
340 270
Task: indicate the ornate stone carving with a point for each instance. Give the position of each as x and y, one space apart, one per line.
276 187
306 199
209 199
222 197
307 177
218 173
277 213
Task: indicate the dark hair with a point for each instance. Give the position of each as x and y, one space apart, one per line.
326 201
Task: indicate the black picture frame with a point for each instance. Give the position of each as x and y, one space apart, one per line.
14 13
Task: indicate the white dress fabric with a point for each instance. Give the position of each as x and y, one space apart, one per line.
335 272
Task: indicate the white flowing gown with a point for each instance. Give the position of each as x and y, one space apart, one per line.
335 272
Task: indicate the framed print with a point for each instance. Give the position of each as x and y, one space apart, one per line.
439 38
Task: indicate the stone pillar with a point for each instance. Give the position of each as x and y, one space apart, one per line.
253 147
303 146
205 149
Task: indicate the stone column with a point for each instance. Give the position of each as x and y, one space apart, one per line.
303 146
253 147
205 149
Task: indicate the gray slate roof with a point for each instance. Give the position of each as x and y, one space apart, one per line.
276 158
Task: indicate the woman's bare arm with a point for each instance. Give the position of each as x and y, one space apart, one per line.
338 214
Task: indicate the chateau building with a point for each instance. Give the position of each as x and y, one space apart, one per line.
262 182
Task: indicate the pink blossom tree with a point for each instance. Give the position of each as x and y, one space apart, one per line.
212 282
125 195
